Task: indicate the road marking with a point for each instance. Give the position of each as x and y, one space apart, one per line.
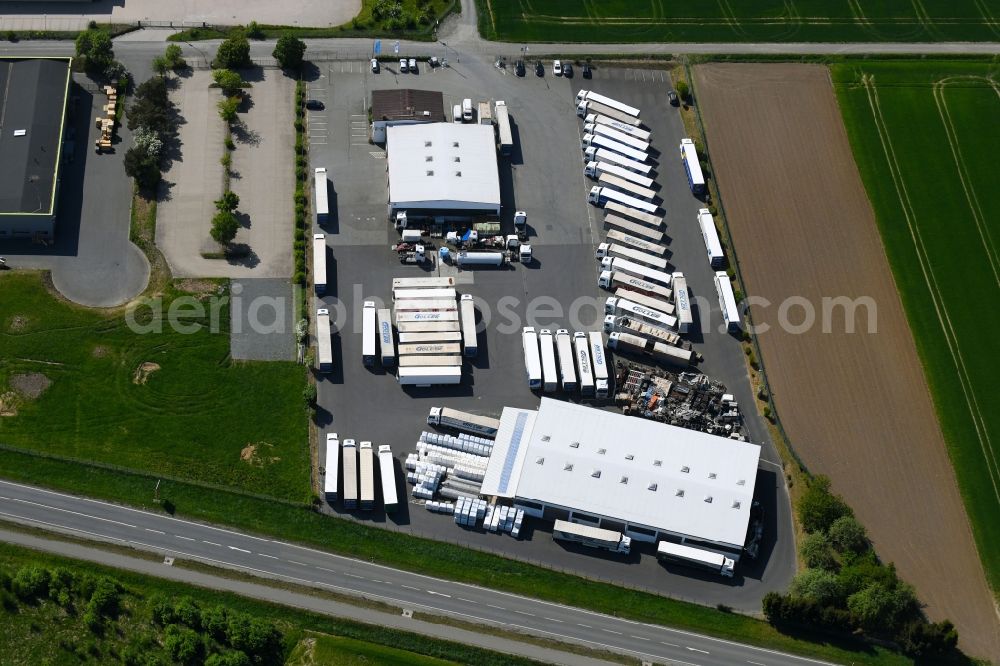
410 587
239 549
325 569
468 601
585 626
641 638
351 575
212 543
524 613
552 619
497 607
440 594
697 650
75 513
612 631
155 531
184 538
61 527
670 644
270 557
300 564
755 663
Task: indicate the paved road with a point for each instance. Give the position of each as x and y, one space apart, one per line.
278 560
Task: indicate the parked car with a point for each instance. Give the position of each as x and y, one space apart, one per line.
568 70
433 62
519 68
672 98
413 65
557 68
402 65
539 68
315 104
586 70
375 65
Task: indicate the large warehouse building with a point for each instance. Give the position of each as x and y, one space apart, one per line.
446 170
33 93
649 480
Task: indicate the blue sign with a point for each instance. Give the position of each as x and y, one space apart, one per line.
378 47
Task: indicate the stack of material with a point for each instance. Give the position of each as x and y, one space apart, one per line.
504 519
440 507
469 511
107 123
480 446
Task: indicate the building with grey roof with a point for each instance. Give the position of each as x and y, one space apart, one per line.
33 94
404 106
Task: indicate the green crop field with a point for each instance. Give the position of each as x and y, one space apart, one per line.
739 20
82 384
926 138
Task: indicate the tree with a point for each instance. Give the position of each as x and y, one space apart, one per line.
234 52
289 52
880 608
228 108
143 167
821 586
105 598
160 65
926 639
175 57
847 535
230 658
254 31
229 202
683 90
151 108
214 622
187 611
96 49
30 582
819 507
817 553
148 141
184 644
224 227
231 83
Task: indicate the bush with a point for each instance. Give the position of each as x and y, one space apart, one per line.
234 52
847 535
230 145
817 553
162 610
187 611
229 202
254 31
925 639
184 645
224 227
819 507
214 621
151 108
289 52
175 57
881 608
228 108
226 161
145 168
31 582
105 599
11 36
683 90
818 585
232 83
309 394
95 47
299 278
160 65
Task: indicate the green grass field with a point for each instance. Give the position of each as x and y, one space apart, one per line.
739 20
319 649
926 138
192 415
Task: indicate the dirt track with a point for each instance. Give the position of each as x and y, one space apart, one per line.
856 406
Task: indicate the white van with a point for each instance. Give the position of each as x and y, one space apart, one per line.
467 110
456 113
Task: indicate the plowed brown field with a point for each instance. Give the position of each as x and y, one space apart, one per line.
855 405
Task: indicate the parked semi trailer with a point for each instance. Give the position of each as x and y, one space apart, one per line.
698 558
425 305
331 477
319 263
644 217
631 254
590 96
600 196
597 154
426 326
470 259
387 475
627 128
629 343
584 367
597 169
621 307
484 426
567 364
422 283
405 317
635 243
322 201
682 303
532 358
727 302
711 237
470 344
350 465
420 294
592 537
615 264
613 281
425 375
387 343
505 138
654 303
610 180
369 336
430 349
613 324
615 135
417 361
550 375
600 141
424 338
602 380
366 474
620 224
586 107
692 167
324 341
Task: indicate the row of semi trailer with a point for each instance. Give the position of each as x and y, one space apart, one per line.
350 474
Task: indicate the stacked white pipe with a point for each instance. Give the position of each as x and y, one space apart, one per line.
465 442
469 511
440 507
504 519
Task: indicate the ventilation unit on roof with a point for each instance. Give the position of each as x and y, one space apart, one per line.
629 456
457 158
574 445
430 173
601 452
539 461
711 475
427 144
458 174
741 482
596 474
568 467
545 438
736 504
679 493
624 479
652 487
454 144
657 463
685 469
428 158
708 499
425 114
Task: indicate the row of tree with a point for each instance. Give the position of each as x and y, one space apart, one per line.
845 588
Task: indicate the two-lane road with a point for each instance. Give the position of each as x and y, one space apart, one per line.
273 559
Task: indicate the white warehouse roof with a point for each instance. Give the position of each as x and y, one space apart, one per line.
443 165
627 469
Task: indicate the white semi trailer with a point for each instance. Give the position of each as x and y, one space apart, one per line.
319 263
614 222
430 349
532 359
366 473
470 259
711 237
413 317
387 475
641 244
610 180
322 201
584 367
655 303
601 196
484 426
422 283
324 341
417 361
727 302
350 464
682 303
614 280
602 380
331 477
423 338
631 254
597 169
369 336
425 305
615 135
599 141
698 558
436 294
615 264
586 107
387 343
426 326
591 96
597 154
621 307
550 375
425 375
592 537
627 128
567 363
629 343
470 343
646 218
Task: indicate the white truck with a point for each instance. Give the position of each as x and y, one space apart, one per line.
600 196
707 560
641 244
319 264
629 343
692 166
369 335
405 317
331 476
547 345
417 361
428 375
506 138
620 224
620 251
468 259
584 367
592 537
711 237
598 154
387 343
567 363
532 359
600 141
350 464
615 264
590 96
727 302
474 424
602 380
610 180
420 338
422 283
427 327
613 324
324 341
439 294
646 218
615 135
366 472
470 344
627 128
595 170
621 307
321 195
387 474
655 303
613 281
430 349
586 107
682 303
467 110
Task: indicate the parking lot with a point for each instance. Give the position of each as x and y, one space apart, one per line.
544 177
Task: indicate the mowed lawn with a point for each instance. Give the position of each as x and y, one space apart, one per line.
739 20
168 403
319 649
926 137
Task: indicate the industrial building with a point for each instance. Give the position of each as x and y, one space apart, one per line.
446 170
33 94
647 479
404 107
